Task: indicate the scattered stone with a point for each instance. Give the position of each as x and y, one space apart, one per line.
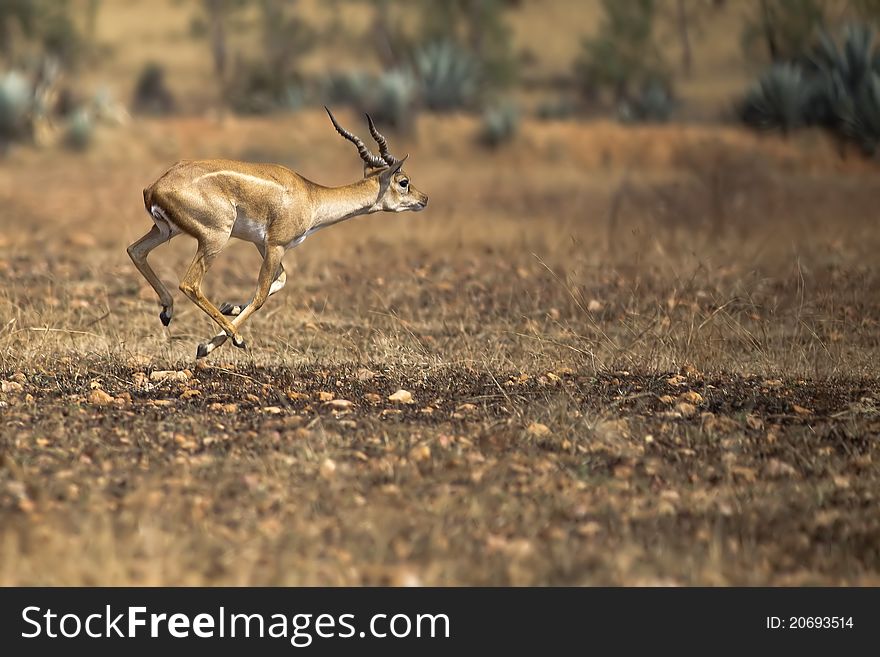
420 453
754 422
538 430
327 469
363 374
160 376
10 386
339 404
223 408
686 409
777 469
99 397
401 396
691 397
189 393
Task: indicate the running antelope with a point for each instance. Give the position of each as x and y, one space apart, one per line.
266 204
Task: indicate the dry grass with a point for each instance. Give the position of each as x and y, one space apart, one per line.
637 356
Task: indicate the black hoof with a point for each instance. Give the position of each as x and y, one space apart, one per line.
231 309
165 316
239 342
202 351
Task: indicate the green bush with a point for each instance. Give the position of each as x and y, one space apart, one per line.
622 58
499 124
151 93
394 99
836 85
653 103
784 97
449 76
80 130
16 103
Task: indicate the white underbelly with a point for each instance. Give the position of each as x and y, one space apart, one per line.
249 230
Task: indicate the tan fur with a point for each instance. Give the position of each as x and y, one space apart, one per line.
267 204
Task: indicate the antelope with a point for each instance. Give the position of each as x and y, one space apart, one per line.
266 204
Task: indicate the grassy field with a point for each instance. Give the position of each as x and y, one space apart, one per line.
635 356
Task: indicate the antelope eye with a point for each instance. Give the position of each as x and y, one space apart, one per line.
404 183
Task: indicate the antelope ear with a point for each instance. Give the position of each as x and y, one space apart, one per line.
372 171
394 168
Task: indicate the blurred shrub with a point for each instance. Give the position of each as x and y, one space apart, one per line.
449 76
478 28
270 79
16 103
348 88
782 30
394 100
391 97
499 124
784 97
654 103
151 93
80 130
833 85
623 60
46 23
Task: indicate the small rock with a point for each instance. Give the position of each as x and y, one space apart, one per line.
339 403
594 305
420 453
327 468
777 469
401 396
138 361
158 376
223 408
686 409
537 429
754 422
676 380
10 386
666 399
273 410
372 397
99 397
189 393
363 374
691 397
325 396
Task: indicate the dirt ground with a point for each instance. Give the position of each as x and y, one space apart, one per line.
629 355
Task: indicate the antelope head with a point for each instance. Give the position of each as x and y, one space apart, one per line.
396 191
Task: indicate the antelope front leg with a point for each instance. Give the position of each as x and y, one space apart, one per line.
191 286
265 282
234 309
